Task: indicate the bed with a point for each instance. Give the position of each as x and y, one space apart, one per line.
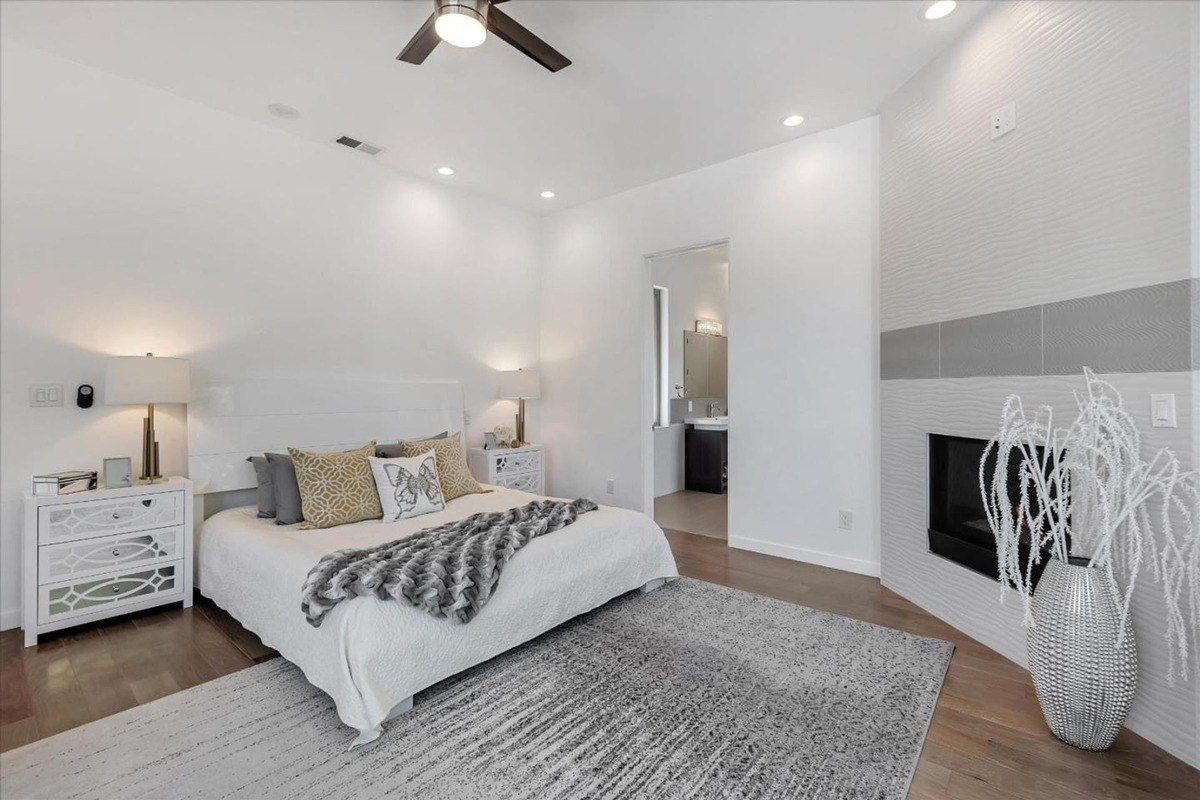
371 656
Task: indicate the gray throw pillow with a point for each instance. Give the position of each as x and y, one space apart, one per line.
396 449
288 510
266 489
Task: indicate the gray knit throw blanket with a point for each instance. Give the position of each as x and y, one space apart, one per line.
449 571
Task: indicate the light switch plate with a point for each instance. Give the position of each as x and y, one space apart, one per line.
45 395
1162 411
1004 119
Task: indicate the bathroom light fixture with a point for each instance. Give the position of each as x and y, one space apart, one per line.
547 195
942 8
710 326
462 24
793 120
447 171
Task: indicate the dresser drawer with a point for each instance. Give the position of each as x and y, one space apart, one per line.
88 519
525 481
60 562
530 461
91 595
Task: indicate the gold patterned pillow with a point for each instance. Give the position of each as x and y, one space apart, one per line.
453 474
336 488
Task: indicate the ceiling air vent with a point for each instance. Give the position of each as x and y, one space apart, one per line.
362 147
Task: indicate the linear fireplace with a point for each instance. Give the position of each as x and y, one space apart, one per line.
958 528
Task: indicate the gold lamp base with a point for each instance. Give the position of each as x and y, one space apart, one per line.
150 471
520 431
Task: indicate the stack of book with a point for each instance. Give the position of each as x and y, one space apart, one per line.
76 480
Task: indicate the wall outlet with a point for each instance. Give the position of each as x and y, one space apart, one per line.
845 520
689 406
1003 120
44 395
611 486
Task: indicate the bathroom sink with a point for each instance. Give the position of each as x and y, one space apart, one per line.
709 423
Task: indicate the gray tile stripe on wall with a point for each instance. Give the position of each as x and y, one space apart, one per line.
1147 329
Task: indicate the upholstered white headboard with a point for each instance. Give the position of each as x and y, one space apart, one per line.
229 421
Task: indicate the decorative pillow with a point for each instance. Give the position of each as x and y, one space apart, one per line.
452 470
396 450
408 487
336 488
288 510
266 491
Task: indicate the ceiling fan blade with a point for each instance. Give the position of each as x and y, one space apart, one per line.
421 45
521 38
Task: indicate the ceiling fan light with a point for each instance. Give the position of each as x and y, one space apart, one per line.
461 25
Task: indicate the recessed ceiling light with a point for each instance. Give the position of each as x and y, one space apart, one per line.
445 171
283 111
941 8
548 195
793 120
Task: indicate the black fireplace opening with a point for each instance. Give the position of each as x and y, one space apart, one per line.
958 526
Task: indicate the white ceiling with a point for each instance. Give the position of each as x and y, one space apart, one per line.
656 88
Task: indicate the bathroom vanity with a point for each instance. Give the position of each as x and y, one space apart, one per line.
706 454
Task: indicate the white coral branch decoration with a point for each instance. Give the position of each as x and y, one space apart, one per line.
1085 490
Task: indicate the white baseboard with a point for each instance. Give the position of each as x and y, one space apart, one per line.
10 618
821 559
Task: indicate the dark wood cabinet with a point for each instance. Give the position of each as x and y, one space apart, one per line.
705 460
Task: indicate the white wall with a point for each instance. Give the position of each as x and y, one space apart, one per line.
801 219
136 221
698 284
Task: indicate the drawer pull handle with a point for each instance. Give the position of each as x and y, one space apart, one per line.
116 589
117 553
147 503
116 515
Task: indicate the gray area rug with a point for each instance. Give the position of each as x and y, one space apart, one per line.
693 690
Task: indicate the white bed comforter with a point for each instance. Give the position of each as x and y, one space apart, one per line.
370 654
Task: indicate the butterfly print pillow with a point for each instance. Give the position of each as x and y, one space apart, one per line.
408 487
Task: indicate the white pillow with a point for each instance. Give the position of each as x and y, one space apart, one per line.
408 487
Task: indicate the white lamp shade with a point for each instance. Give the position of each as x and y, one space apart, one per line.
134 380
520 384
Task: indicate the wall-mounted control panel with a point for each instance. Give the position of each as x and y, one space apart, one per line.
1004 119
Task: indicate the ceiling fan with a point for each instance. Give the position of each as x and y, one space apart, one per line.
465 23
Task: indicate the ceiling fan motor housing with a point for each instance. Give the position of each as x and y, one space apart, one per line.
471 8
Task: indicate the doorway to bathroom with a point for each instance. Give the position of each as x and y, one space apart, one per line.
690 396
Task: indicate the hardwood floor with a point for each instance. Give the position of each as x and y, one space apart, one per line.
987 740
704 513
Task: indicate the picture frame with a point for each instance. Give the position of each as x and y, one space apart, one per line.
504 435
118 472
489 441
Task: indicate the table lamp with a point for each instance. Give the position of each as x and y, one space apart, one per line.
133 380
520 385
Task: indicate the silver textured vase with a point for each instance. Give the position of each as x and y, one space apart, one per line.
1085 681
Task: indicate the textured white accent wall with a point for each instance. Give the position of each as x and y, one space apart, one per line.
1091 193
134 220
803 361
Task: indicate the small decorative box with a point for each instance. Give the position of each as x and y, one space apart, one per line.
56 483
